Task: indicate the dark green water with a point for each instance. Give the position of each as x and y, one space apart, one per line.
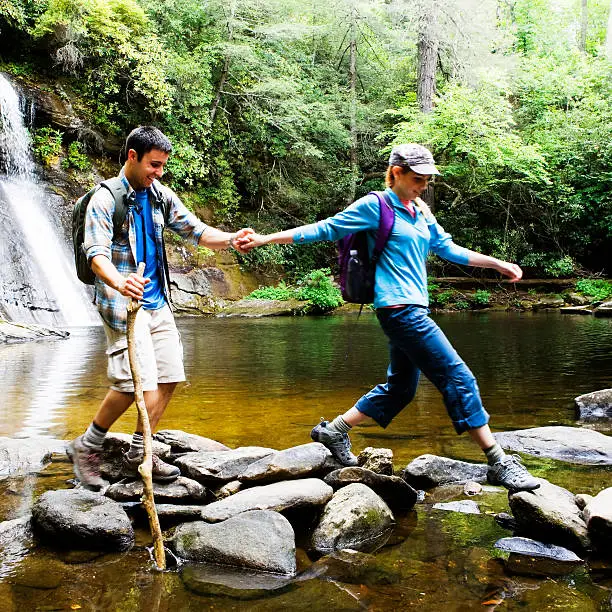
266 382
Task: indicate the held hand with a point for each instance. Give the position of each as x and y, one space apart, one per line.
512 271
133 286
254 240
241 238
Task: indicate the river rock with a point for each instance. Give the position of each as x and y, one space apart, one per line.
20 332
604 310
582 499
220 466
530 557
23 456
427 471
296 462
181 489
598 517
265 308
550 514
258 539
595 405
181 442
354 518
229 488
279 496
116 444
233 582
464 506
82 519
576 310
571 444
379 460
394 490
548 302
577 299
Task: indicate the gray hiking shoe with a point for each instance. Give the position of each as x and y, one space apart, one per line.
86 465
512 474
161 472
338 443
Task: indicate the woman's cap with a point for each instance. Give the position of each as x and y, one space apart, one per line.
413 156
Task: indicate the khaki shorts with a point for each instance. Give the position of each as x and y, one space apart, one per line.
159 349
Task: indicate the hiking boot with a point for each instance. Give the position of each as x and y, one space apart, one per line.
338 443
161 472
512 474
86 465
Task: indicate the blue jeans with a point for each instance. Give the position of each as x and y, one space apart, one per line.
417 344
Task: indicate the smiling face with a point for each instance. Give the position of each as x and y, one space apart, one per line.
141 173
409 185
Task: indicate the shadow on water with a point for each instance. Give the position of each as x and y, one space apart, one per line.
267 382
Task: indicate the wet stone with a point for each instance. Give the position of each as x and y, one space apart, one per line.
429 471
354 518
279 496
598 517
379 460
582 499
75 518
530 557
595 405
571 444
182 442
464 506
220 466
259 539
228 489
296 462
235 583
116 444
24 456
604 310
551 514
182 489
505 520
472 488
393 489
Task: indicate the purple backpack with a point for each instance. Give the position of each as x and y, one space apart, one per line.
357 265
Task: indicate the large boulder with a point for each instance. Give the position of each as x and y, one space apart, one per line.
550 514
598 517
296 462
182 442
379 460
570 444
396 492
595 405
180 490
427 471
264 308
354 518
220 466
533 558
259 539
279 496
23 456
75 518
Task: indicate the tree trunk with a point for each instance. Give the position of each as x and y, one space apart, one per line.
353 107
427 47
609 35
583 25
225 69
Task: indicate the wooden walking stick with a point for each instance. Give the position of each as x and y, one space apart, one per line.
146 467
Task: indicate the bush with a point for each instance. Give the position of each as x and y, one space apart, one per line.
461 305
597 288
318 288
482 297
75 157
280 292
442 298
47 144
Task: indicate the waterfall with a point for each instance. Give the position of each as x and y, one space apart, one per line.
38 283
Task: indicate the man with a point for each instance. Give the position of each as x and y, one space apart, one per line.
113 259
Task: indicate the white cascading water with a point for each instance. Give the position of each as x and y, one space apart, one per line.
38 282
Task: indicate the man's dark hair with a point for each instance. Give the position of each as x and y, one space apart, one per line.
145 138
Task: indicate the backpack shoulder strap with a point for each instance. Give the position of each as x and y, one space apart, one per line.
385 223
118 191
424 210
162 198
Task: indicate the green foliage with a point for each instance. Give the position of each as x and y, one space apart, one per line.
47 144
597 288
482 297
461 305
442 298
75 157
316 287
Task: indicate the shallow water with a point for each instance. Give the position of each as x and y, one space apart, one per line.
266 382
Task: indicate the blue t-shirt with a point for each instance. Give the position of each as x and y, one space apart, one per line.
401 276
146 250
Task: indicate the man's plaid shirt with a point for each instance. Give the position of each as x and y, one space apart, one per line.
122 252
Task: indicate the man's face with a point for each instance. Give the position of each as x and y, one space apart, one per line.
141 173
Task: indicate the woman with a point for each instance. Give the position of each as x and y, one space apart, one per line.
401 300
